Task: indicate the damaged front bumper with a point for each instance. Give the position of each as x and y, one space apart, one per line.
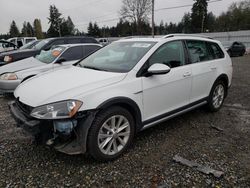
67 136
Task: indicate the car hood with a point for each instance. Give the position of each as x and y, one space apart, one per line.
16 52
21 65
63 84
42 68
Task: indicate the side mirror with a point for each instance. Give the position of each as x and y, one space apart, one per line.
158 69
60 60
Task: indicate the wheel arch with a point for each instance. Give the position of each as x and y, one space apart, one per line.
129 105
26 78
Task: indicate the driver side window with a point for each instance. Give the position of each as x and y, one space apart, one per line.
170 54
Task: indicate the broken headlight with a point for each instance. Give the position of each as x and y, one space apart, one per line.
59 110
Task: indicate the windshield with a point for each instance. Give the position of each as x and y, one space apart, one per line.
28 45
117 57
50 55
41 44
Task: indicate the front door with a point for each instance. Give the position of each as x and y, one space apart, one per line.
165 93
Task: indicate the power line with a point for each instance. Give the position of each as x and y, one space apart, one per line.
84 5
156 10
105 15
183 6
102 21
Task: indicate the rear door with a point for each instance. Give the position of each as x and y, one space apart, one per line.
203 71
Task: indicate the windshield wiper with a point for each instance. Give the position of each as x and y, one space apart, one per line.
94 68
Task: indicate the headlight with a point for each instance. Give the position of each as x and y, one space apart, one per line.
59 110
8 76
7 59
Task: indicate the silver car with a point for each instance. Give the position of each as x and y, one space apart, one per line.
62 55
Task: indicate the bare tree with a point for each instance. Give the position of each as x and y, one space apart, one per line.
136 11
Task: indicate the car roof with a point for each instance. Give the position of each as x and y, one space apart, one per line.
169 38
79 44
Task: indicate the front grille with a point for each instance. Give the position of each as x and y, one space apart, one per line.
23 107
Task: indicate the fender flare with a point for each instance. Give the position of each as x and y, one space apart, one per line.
128 104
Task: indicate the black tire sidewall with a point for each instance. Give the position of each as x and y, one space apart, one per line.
100 118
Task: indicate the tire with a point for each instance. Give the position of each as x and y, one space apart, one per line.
104 143
218 89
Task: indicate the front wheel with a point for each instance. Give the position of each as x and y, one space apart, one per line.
217 96
111 134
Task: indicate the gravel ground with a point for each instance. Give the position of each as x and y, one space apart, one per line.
149 163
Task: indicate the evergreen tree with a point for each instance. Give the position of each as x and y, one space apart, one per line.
67 27
211 22
24 30
30 30
187 23
90 29
38 29
199 15
55 22
14 31
71 26
97 31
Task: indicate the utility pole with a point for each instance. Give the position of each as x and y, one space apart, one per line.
153 18
202 23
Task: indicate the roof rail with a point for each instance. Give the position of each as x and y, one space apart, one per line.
187 35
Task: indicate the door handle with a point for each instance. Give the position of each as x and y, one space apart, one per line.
213 68
187 74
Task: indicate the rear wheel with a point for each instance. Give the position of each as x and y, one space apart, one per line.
111 134
217 96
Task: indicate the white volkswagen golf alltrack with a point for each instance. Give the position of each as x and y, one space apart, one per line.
99 105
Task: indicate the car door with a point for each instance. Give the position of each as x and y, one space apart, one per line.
203 71
168 92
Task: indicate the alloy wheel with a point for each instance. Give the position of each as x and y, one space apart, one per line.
114 135
218 96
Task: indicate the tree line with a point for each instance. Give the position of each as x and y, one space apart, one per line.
135 20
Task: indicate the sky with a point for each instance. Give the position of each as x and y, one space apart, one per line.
83 11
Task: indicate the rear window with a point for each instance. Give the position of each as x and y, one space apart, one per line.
90 40
74 41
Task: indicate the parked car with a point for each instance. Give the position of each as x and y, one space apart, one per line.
123 88
13 74
235 48
6 46
103 41
45 44
20 41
